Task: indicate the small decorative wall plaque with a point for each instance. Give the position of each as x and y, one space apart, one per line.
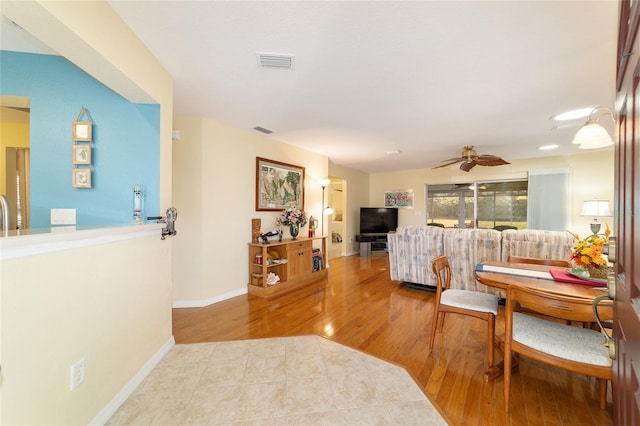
81 130
82 154
82 178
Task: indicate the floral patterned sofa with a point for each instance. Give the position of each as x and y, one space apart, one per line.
411 249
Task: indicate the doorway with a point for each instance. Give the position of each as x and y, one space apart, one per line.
14 158
17 186
336 220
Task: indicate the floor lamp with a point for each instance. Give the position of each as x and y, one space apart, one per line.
323 183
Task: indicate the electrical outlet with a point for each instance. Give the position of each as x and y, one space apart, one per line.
63 216
77 374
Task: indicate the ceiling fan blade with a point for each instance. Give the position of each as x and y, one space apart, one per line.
490 160
470 160
450 162
488 157
467 165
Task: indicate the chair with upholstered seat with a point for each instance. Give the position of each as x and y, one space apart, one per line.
538 261
575 349
466 302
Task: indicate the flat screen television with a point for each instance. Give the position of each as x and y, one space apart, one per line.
378 220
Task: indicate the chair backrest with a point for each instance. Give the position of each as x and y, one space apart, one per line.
555 305
442 271
539 261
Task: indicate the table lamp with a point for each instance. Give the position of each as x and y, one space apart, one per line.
595 208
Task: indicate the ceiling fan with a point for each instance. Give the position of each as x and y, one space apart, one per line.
470 159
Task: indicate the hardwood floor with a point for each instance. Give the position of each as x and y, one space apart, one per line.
359 306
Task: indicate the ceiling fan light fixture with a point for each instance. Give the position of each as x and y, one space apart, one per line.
469 152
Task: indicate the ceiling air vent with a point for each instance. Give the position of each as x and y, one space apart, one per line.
275 60
263 130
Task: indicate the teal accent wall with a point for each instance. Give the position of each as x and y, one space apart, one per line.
125 147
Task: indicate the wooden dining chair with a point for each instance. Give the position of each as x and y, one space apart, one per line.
539 261
465 302
575 349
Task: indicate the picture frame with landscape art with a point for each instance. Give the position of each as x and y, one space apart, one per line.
278 185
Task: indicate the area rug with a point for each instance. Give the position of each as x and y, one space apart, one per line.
306 380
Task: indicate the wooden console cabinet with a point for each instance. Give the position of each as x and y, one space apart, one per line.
296 273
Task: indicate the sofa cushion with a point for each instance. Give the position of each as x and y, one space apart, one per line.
412 248
536 243
410 252
467 247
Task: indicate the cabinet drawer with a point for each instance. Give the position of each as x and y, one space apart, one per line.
299 245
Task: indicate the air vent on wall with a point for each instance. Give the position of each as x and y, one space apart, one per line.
275 60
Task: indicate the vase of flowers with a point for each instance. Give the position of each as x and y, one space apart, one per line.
294 218
294 231
588 253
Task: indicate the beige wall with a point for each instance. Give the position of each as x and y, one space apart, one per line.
109 303
592 174
14 135
214 178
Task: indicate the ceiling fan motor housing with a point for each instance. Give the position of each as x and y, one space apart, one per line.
469 153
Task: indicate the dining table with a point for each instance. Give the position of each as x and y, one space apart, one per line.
551 279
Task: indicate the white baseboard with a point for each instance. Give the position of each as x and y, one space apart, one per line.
105 414
209 301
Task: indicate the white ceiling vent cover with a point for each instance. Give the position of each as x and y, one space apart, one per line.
275 60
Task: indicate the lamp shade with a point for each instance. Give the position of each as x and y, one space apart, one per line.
592 136
324 182
595 208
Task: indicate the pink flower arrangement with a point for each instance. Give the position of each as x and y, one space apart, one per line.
292 216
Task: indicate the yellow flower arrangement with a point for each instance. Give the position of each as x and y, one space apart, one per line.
589 252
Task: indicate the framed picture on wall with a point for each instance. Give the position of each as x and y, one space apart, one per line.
82 154
82 131
81 178
278 185
402 199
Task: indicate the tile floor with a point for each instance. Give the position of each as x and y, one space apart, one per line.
305 380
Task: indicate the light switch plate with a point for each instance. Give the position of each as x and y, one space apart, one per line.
63 216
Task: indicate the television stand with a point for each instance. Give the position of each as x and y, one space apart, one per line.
371 242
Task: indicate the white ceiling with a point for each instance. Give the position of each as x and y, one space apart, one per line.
424 78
